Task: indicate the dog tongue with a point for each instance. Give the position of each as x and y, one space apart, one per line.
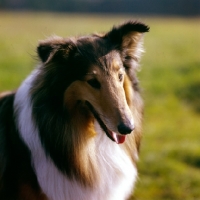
119 139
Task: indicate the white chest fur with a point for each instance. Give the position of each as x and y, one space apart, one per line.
117 176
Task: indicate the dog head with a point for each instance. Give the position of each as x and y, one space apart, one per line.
97 72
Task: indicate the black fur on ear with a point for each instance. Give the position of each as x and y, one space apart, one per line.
117 33
128 39
47 49
44 52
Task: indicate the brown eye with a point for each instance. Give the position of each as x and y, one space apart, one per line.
120 77
94 83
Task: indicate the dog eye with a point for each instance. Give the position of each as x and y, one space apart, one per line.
94 83
120 77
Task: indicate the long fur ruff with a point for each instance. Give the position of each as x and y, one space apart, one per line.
72 130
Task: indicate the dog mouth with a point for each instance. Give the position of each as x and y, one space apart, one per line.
115 137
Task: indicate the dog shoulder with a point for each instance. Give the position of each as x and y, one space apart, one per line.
17 178
6 114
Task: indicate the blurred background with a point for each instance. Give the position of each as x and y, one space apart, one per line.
169 166
176 7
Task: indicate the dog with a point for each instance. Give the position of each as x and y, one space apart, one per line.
72 130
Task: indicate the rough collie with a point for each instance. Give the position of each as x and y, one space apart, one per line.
72 130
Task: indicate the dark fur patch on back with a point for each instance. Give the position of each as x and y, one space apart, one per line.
15 161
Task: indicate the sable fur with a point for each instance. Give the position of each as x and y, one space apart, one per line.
68 131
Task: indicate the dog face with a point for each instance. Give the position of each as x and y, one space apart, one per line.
97 73
102 90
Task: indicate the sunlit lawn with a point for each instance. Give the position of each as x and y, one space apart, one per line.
169 166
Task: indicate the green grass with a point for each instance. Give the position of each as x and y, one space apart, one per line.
170 155
169 165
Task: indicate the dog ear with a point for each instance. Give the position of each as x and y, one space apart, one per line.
53 47
128 39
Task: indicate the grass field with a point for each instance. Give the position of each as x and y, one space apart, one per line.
169 165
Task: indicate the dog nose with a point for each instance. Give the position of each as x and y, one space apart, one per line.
125 128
